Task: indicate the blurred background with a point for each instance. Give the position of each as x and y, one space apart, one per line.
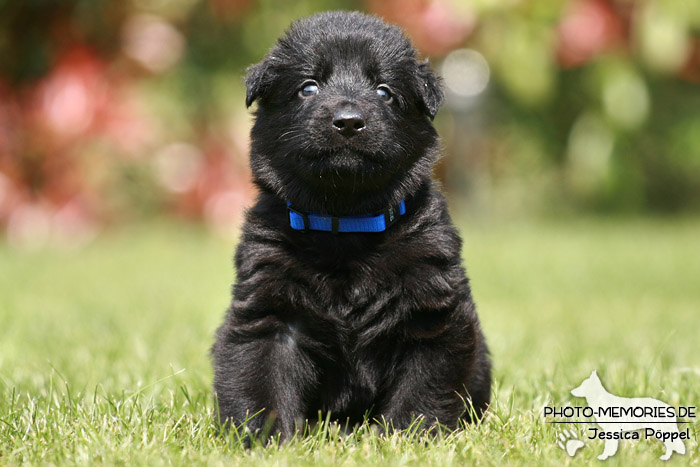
113 112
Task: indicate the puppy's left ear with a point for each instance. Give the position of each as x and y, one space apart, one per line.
257 82
430 90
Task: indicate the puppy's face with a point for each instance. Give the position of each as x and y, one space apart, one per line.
344 112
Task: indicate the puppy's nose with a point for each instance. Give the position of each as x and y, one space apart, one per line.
348 122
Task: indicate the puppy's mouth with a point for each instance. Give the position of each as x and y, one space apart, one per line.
342 163
347 152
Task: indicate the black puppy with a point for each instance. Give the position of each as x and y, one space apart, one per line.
350 296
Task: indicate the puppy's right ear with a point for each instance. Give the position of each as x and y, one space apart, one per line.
257 82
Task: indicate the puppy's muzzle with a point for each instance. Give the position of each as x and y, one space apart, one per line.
348 121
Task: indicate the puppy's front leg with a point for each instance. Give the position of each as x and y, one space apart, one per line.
267 373
425 384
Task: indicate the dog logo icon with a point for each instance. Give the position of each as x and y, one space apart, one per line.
623 417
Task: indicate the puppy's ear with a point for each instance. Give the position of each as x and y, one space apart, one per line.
429 90
257 82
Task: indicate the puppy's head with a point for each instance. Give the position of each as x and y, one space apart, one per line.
344 115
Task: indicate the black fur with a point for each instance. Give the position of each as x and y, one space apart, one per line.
353 323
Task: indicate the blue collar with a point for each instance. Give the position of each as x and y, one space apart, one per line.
379 222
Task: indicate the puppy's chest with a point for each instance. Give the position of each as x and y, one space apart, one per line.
346 280
351 293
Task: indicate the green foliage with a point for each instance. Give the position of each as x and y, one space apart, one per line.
590 105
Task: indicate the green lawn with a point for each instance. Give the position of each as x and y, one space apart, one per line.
104 351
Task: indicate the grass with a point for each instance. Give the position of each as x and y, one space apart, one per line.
103 351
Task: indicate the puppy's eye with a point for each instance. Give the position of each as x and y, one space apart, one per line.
309 88
384 92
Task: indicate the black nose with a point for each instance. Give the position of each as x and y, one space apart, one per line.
348 122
